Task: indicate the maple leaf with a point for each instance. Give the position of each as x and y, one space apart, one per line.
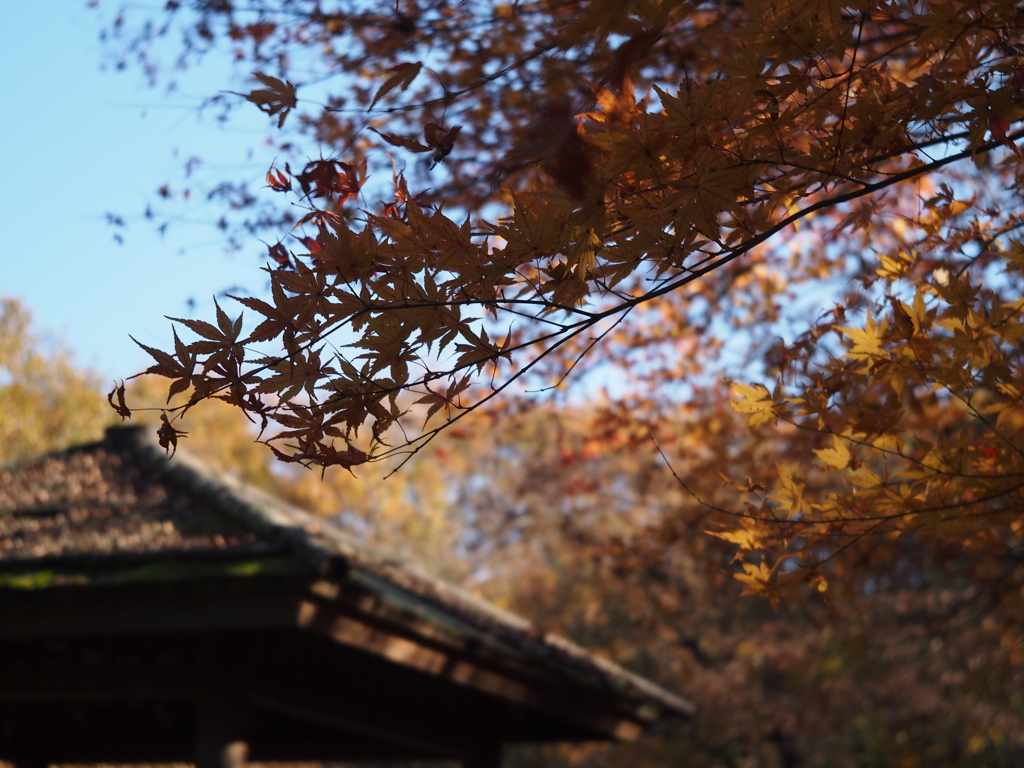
437 401
867 341
280 255
314 244
277 181
999 125
119 407
836 457
441 140
348 458
325 456
757 579
324 178
747 537
553 141
583 254
628 55
180 368
790 495
402 76
757 401
280 318
168 435
277 98
401 141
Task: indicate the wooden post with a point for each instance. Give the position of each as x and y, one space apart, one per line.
220 735
488 756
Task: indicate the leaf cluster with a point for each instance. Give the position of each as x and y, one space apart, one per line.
651 180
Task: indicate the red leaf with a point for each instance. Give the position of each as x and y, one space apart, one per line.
314 244
441 140
402 76
323 178
278 181
280 254
277 98
401 141
999 125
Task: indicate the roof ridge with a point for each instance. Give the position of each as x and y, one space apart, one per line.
15 465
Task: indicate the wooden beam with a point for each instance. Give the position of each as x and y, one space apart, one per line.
595 711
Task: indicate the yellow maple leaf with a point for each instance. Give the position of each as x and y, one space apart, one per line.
837 457
756 578
895 267
757 401
745 538
583 254
790 494
867 341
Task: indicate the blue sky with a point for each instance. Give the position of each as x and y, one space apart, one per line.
80 142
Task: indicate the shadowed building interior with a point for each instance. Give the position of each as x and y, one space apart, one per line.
152 610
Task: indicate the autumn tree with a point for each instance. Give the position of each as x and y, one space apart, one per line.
46 402
913 661
819 198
